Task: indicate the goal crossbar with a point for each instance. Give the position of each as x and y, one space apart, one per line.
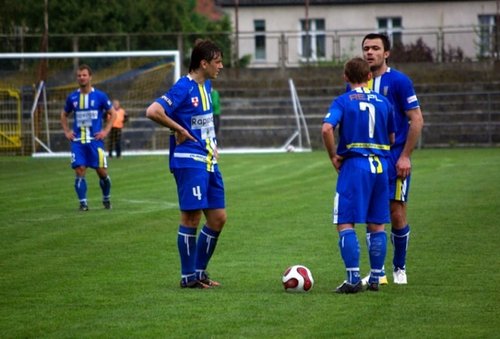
122 54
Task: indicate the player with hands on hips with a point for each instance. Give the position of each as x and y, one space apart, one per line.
187 110
89 107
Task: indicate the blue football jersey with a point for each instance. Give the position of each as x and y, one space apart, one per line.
89 110
190 105
366 119
398 88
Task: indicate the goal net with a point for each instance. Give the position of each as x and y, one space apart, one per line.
34 87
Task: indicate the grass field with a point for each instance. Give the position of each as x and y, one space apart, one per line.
115 274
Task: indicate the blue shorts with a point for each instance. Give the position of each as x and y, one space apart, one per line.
91 154
199 189
398 188
362 194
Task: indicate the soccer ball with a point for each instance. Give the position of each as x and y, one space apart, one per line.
290 148
297 278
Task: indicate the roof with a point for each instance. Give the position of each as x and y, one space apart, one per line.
262 3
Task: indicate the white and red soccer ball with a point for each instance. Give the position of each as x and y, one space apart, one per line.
297 278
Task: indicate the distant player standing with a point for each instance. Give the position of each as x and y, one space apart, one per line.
89 107
398 88
187 110
362 194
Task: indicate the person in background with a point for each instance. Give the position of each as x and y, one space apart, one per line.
186 109
398 88
366 133
217 110
89 106
115 137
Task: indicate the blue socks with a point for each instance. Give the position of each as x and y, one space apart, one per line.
105 184
81 189
195 255
186 243
377 249
207 240
400 239
349 250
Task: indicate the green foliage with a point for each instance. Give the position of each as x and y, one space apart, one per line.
115 274
144 18
414 52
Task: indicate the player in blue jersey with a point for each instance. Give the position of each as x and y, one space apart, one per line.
366 132
398 88
89 107
187 110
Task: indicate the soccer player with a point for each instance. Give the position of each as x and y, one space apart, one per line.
398 88
366 132
89 107
187 110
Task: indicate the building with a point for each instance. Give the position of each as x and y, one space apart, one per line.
292 32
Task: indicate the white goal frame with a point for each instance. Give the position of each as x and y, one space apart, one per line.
41 93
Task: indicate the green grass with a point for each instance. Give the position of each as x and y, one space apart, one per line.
65 274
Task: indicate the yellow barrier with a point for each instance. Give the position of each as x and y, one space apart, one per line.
10 119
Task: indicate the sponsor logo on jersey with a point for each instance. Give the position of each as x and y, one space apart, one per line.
411 99
87 115
201 121
167 100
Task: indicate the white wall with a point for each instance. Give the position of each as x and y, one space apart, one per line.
349 23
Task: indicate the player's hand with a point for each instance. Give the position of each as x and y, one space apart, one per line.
403 167
183 135
70 135
337 162
100 135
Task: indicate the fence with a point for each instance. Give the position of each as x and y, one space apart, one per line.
282 48
452 119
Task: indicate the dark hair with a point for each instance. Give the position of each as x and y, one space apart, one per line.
85 66
385 40
203 50
357 70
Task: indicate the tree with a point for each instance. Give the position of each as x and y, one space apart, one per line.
92 24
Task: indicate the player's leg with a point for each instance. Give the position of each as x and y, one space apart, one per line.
376 241
79 163
100 164
349 251
346 208
378 214
400 237
81 187
186 245
192 195
215 220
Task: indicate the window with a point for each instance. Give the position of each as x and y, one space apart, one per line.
488 35
260 39
313 40
393 27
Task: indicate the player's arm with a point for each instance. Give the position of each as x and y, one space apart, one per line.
156 113
328 136
68 132
403 166
111 113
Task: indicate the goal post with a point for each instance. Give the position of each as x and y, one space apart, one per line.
133 77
